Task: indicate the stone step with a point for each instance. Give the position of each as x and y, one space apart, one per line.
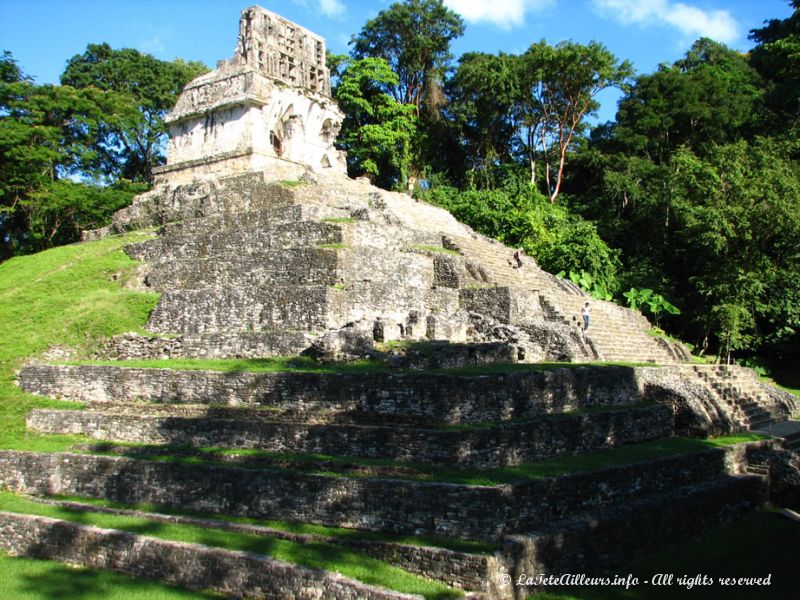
239 241
482 447
236 344
273 217
617 534
461 569
192 566
429 396
299 267
619 325
207 310
381 504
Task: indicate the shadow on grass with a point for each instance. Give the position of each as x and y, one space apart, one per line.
758 545
33 579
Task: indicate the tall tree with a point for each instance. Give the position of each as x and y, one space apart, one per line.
561 83
49 136
378 130
737 234
133 148
777 58
709 97
485 101
413 37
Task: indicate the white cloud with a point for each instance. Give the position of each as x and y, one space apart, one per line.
503 13
691 21
332 8
152 45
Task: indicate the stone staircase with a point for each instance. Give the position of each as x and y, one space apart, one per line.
736 392
616 334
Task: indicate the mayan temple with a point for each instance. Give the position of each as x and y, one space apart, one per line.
263 247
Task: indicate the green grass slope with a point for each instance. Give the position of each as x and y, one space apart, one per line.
72 295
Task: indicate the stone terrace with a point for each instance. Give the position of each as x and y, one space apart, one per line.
314 431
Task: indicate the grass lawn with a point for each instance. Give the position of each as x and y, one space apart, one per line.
30 579
302 364
72 295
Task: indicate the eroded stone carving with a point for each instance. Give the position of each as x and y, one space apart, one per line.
266 109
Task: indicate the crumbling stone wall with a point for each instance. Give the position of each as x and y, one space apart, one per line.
484 447
392 505
438 397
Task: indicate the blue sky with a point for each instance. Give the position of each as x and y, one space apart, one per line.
44 34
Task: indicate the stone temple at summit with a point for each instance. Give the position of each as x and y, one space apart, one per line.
270 101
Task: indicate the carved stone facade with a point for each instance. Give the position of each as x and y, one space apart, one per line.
267 109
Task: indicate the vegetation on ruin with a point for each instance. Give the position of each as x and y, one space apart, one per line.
338 220
294 527
303 364
435 249
30 579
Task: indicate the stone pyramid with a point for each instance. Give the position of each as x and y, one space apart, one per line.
265 248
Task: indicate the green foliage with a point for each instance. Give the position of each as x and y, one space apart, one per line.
485 101
587 283
521 217
413 37
776 56
708 97
132 147
50 136
560 84
378 132
656 304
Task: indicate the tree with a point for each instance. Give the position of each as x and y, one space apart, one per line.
519 215
777 57
50 136
709 97
561 83
377 132
485 100
737 232
413 37
132 148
